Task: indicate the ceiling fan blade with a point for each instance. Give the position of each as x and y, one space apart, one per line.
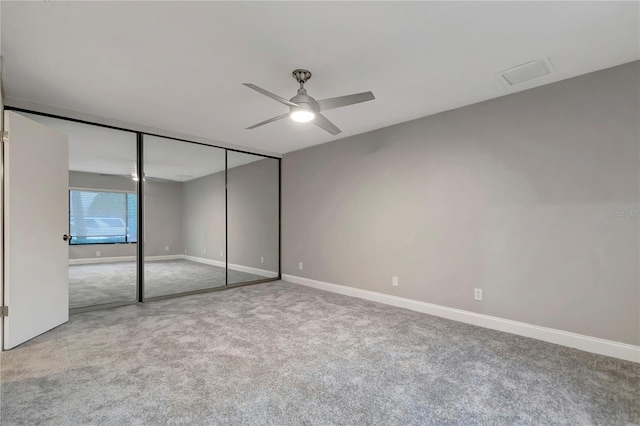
271 120
322 122
340 101
271 95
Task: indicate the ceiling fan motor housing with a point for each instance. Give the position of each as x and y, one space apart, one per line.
304 101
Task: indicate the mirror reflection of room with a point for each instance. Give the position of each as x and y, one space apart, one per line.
184 217
187 211
194 212
102 213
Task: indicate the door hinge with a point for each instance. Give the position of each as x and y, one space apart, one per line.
5 136
4 311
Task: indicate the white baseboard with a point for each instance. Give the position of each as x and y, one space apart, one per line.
233 266
102 260
205 261
114 259
255 271
551 335
163 257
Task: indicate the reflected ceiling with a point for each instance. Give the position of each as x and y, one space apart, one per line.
96 149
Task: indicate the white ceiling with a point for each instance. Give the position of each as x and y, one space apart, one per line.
97 149
180 65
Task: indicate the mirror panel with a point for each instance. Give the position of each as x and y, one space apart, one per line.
184 217
102 213
190 199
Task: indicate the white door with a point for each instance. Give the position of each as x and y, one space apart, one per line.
36 217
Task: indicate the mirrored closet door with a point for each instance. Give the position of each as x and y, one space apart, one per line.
203 217
184 212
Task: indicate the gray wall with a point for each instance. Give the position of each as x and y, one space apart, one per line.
163 218
253 215
203 217
511 195
98 181
252 198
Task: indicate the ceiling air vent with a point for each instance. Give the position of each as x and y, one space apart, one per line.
525 72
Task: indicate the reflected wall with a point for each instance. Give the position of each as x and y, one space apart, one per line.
184 217
252 221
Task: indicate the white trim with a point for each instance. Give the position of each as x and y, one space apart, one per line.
114 259
222 264
565 338
205 261
90 260
255 271
162 257
233 266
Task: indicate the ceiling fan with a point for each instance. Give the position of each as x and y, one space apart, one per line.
303 108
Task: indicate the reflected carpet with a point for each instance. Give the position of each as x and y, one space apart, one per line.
100 283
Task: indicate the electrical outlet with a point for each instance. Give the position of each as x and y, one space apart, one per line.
221 253
300 266
166 248
204 251
394 281
185 251
261 259
98 254
477 294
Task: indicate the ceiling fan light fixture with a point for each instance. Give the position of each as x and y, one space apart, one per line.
303 108
302 115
